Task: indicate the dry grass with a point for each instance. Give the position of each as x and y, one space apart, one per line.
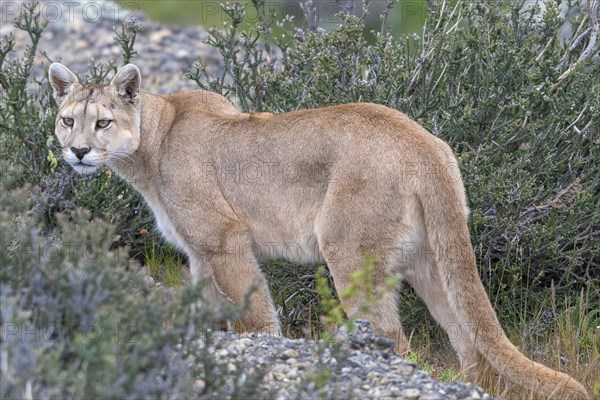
569 342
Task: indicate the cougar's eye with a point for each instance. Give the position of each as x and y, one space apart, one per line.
67 121
103 123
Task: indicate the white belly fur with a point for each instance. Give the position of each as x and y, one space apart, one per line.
300 247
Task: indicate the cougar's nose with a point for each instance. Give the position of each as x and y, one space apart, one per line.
80 152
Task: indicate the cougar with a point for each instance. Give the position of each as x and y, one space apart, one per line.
327 185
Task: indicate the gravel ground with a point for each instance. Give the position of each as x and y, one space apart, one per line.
365 365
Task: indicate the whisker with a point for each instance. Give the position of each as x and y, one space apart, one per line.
117 157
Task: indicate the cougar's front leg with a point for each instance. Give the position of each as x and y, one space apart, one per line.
236 273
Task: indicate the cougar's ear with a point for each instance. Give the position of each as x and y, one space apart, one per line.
127 83
61 80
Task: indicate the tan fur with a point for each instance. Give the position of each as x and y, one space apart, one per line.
330 184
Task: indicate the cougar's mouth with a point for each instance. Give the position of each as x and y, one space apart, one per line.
84 169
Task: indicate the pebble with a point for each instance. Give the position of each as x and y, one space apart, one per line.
411 393
221 353
289 353
292 374
200 385
149 281
278 375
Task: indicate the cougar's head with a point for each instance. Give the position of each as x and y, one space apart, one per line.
97 124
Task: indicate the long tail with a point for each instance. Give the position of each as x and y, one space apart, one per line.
449 236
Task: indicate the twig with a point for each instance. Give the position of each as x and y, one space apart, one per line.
572 124
574 42
589 51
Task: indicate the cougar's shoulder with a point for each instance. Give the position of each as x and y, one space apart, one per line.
201 101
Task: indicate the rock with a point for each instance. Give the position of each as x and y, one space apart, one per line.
384 342
135 265
199 385
278 375
411 393
222 353
149 281
289 353
292 374
160 34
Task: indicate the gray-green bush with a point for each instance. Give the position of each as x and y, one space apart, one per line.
76 324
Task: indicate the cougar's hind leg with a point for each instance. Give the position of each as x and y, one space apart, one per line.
348 230
425 280
379 307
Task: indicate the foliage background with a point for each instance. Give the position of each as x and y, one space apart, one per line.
406 17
